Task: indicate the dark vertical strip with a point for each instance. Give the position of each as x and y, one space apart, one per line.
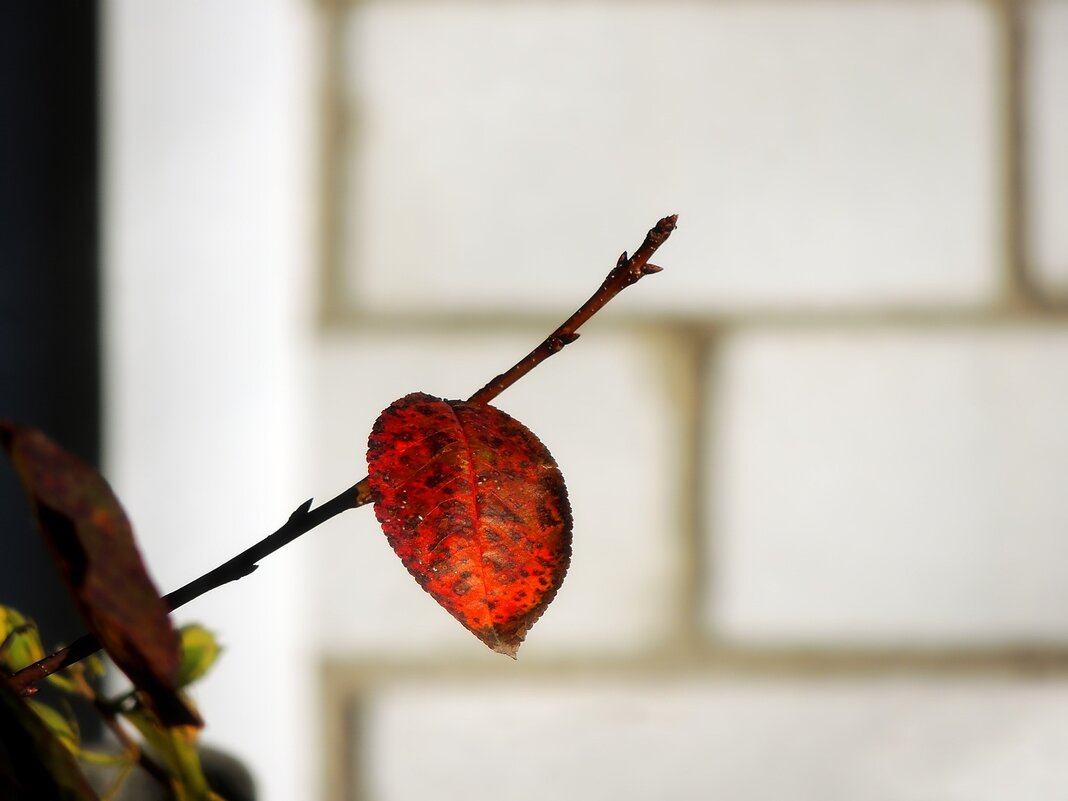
689 348
335 132
1018 286
705 568
49 268
356 776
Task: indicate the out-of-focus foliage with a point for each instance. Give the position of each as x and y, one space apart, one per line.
34 764
200 649
91 541
21 644
42 760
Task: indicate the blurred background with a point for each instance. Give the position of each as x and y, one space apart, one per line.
817 465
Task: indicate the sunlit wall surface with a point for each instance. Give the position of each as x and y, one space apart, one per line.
208 178
816 466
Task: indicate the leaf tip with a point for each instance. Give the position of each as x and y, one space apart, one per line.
509 649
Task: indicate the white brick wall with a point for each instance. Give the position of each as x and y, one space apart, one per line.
845 438
821 154
206 270
878 462
611 740
1046 91
890 485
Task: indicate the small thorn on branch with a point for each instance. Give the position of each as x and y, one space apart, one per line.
303 520
247 571
301 510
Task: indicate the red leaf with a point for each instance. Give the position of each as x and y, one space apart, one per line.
476 509
91 542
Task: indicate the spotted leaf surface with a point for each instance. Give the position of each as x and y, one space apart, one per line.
475 507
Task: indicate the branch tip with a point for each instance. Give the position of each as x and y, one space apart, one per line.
627 271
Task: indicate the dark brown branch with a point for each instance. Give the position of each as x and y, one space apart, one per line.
626 272
303 520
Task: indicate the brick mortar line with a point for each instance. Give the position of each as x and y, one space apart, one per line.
1018 287
334 135
1052 315
706 375
684 383
733 662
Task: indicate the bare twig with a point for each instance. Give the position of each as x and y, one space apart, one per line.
303 520
626 272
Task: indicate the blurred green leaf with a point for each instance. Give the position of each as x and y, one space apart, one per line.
106 758
77 678
200 649
58 723
91 541
34 764
123 773
94 666
24 646
176 746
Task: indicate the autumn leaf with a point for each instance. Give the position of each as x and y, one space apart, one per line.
63 727
475 507
177 747
92 544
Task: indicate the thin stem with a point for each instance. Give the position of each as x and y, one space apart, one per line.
303 520
626 272
134 751
147 763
